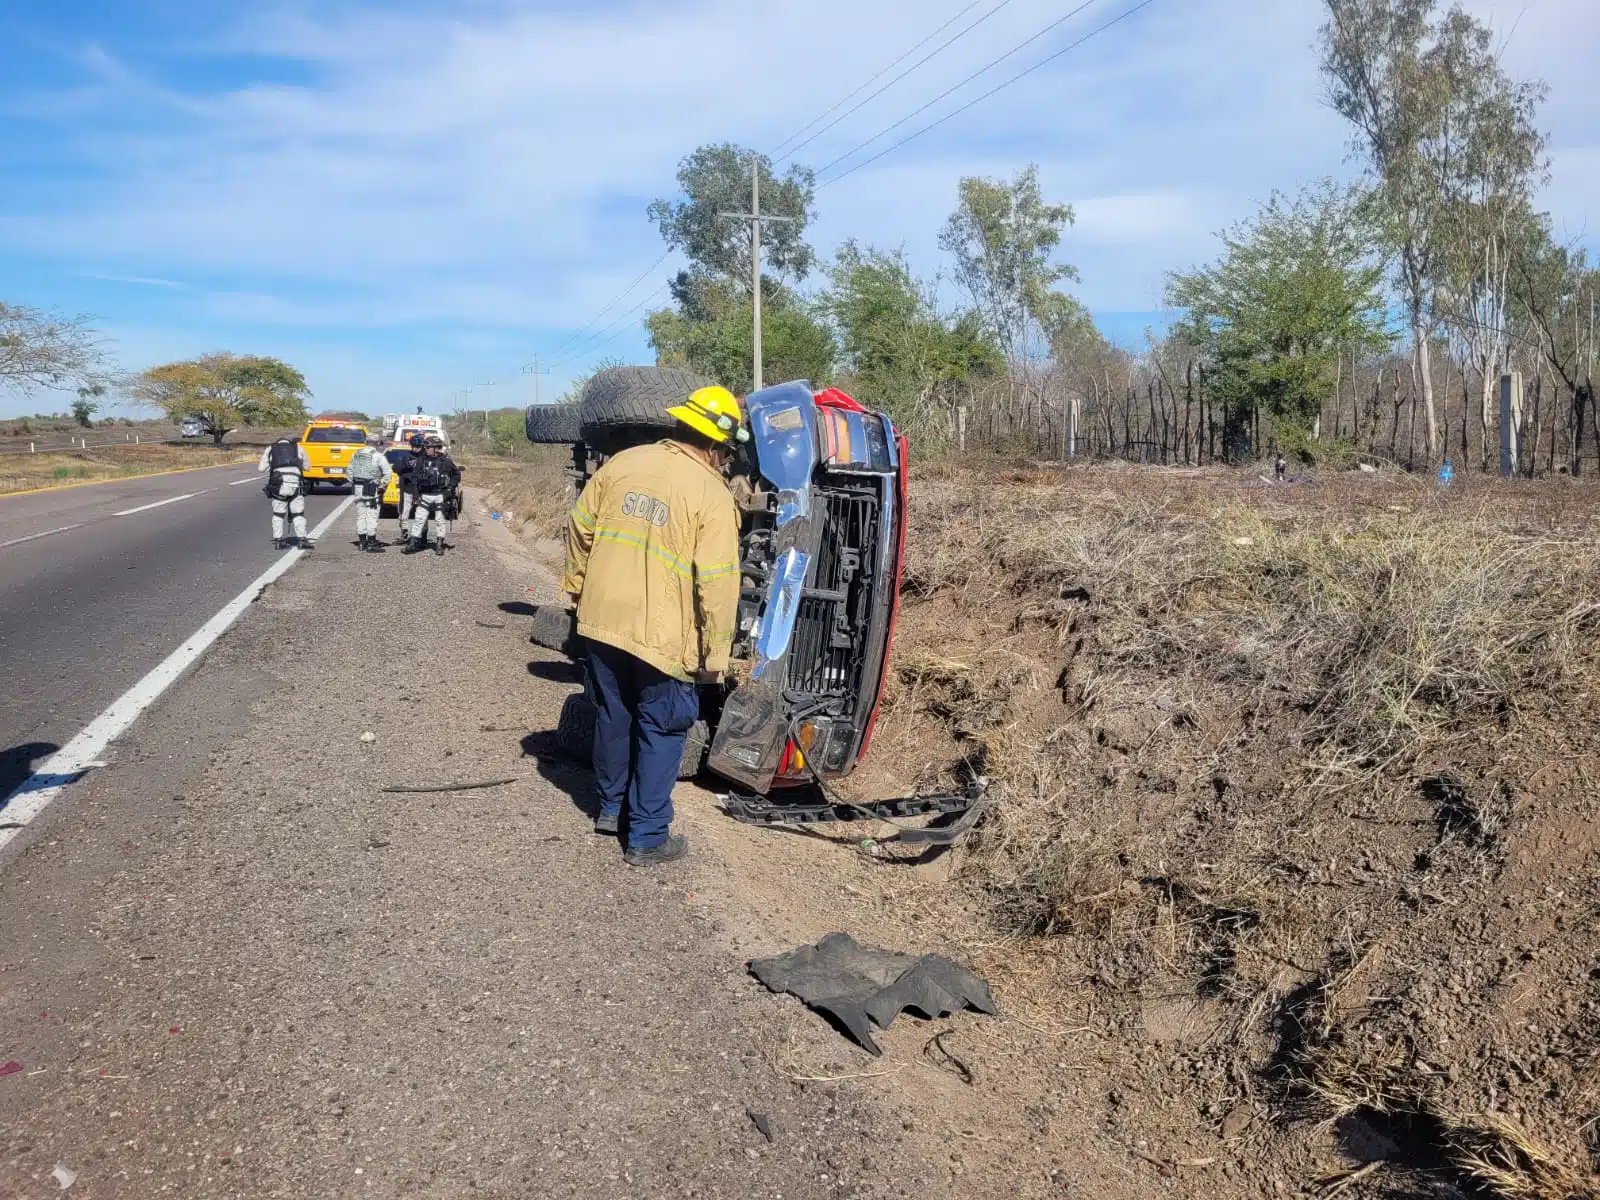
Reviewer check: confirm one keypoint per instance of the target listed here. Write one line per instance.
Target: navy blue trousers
(638, 739)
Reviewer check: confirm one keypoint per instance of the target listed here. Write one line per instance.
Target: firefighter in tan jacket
(653, 567)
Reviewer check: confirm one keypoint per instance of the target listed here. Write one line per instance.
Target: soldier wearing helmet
(653, 568)
(368, 472)
(432, 479)
(285, 463)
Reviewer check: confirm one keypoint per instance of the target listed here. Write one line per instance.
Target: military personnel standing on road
(433, 480)
(653, 567)
(404, 509)
(285, 462)
(369, 473)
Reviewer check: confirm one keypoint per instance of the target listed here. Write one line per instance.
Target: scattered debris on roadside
(857, 987)
(448, 787)
(762, 1122)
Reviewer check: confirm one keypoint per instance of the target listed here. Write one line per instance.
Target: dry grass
(25, 472)
(1393, 626)
(533, 490)
(1189, 696)
(1257, 747)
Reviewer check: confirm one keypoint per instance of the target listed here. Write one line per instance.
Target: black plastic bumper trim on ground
(757, 810)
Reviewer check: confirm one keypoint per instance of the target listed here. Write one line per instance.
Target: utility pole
(755, 217)
(535, 372)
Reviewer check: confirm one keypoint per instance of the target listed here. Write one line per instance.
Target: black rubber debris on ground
(853, 985)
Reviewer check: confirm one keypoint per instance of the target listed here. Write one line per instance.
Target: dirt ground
(1289, 884)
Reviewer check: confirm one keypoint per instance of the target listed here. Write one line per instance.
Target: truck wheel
(556, 628)
(627, 406)
(552, 424)
(695, 748)
(575, 728)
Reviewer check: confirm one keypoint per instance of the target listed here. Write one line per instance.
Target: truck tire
(552, 424)
(555, 627)
(695, 748)
(575, 736)
(575, 728)
(627, 406)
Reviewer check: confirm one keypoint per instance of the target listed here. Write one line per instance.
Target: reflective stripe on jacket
(653, 557)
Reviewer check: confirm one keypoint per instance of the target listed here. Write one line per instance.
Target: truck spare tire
(552, 424)
(627, 406)
(574, 736)
(555, 627)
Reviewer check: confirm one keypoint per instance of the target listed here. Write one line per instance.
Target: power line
(577, 343)
(778, 149)
(943, 46)
(1117, 20)
(612, 303)
(574, 344)
(589, 346)
(642, 304)
(989, 66)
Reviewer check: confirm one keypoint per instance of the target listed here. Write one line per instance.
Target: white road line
(36, 792)
(128, 512)
(34, 536)
(250, 479)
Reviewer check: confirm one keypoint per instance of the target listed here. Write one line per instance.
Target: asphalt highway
(99, 583)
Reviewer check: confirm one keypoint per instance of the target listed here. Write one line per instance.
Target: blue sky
(408, 199)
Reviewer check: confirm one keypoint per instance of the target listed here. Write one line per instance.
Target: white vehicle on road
(421, 423)
(192, 427)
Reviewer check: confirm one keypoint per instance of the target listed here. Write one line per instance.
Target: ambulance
(422, 423)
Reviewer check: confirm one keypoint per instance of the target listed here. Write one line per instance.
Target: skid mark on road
(128, 512)
(36, 792)
(33, 537)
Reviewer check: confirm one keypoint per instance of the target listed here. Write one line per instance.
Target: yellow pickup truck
(328, 446)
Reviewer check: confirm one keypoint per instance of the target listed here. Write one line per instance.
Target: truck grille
(825, 658)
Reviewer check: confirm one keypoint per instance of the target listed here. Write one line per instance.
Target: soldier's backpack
(364, 466)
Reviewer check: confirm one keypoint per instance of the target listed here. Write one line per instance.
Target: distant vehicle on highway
(421, 423)
(192, 427)
(391, 422)
(328, 446)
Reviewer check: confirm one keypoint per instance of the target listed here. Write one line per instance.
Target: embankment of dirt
(1294, 808)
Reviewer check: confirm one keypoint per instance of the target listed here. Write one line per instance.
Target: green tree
(226, 391)
(1554, 294)
(1002, 237)
(715, 180)
(902, 354)
(1431, 111)
(1296, 286)
(711, 332)
(87, 404)
(711, 326)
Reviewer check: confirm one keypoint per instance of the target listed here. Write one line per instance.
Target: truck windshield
(336, 433)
